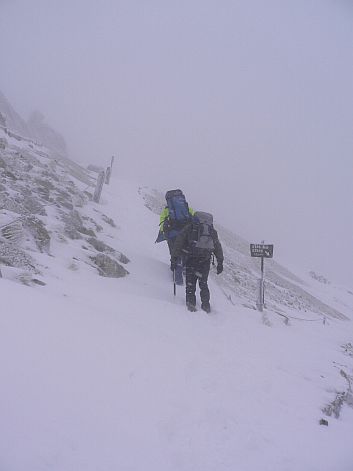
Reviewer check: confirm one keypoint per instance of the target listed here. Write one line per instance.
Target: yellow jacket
(165, 214)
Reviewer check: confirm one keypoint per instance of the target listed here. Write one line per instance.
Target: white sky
(246, 105)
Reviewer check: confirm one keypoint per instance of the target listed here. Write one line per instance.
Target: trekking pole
(174, 282)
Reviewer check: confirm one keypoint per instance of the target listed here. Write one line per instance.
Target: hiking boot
(206, 308)
(191, 307)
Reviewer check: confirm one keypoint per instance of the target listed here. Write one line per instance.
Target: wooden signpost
(263, 251)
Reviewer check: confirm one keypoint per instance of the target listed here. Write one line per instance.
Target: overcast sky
(246, 105)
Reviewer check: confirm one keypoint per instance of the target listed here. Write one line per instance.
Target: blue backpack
(178, 207)
(178, 215)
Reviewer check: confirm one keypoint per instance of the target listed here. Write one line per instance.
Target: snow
(115, 374)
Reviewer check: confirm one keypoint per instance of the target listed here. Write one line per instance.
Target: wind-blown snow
(115, 374)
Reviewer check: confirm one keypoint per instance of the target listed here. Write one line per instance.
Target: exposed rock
(3, 143)
(108, 220)
(28, 280)
(8, 174)
(2, 120)
(104, 248)
(12, 256)
(64, 199)
(122, 258)
(44, 193)
(319, 278)
(100, 246)
(334, 408)
(10, 204)
(38, 282)
(348, 349)
(109, 267)
(25, 191)
(72, 222)
(86, 231)
(97, 227)
(72, 233)
(13, 231)
(45, 183)
(33, 205)
(78, 199)
(39, 233)
(88, 195)
(50, 174)
(64, 203)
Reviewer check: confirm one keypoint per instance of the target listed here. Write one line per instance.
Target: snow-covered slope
(287, 294)
(114, 374)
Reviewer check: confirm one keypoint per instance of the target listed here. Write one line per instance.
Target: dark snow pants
(179, 265)
(170, 246)
(197, 269)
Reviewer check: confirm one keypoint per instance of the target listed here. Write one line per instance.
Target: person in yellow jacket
(173, 219)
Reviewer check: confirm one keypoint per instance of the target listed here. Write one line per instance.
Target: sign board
(261, 250)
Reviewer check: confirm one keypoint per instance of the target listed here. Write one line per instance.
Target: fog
(245, 105)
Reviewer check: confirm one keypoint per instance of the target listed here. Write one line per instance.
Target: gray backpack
(201, 241)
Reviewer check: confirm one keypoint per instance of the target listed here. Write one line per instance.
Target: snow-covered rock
(45, 199)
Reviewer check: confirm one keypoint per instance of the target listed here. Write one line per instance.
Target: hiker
(173, 218)
(197, 242)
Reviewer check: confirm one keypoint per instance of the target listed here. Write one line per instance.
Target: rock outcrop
(45, 202)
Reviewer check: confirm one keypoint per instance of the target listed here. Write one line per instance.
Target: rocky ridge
(45, 203)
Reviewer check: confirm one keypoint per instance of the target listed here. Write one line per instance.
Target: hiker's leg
(170, 246)
(203, 270)
(191, 279)
(179, 272)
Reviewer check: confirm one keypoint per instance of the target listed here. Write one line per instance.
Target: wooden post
(107, 175)
(99, 186)
(261, 300)
(264, 251)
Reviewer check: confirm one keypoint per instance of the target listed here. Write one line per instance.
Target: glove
(173, 264)
(219, 268)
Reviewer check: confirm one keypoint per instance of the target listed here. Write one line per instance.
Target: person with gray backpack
(197, 242)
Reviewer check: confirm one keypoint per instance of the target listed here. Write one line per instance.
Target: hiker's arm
(163, 217)
(218, 251)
